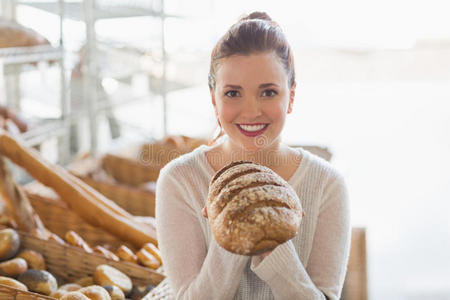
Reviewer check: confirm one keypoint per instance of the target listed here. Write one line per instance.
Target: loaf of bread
(251, 209)
(13, 34)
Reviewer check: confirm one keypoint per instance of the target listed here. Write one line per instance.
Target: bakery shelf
(28, 55)
(104, 10)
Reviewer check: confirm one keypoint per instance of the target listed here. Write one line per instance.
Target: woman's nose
(251, 108)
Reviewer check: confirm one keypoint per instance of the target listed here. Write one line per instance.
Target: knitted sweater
(312, 265)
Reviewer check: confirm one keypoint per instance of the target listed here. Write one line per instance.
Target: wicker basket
(137, 200)
(72, 263)
(9, 293)
(58, 218)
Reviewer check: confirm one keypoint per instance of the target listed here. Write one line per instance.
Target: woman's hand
(262, 256)
(205, 212)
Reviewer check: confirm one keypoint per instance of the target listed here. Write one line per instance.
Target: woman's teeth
(252, 128)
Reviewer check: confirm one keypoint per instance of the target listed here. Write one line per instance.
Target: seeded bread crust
(251, 209)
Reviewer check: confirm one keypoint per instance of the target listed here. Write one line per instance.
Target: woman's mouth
(253, 129)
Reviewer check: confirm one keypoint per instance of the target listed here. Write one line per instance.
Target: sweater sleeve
(194, 270)
(324, 277)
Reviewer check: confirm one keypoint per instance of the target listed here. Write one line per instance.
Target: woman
(252, 85)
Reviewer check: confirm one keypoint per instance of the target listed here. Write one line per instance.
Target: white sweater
(312, 265)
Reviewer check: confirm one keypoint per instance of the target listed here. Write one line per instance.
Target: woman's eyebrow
(232, 86)
(265, 85)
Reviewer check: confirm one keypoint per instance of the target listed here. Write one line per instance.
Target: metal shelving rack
(92, 11)
(95, 10)
(22, 59)
(89, 12)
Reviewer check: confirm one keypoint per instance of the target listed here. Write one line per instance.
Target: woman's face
(251, 100)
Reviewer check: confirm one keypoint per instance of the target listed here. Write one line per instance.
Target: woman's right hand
(205, 212)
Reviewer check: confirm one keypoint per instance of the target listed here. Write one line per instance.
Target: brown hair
(255, 33)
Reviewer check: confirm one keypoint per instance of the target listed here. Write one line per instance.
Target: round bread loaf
(9, 243)
(251, 209)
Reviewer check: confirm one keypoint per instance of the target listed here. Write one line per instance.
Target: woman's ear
(291, 98)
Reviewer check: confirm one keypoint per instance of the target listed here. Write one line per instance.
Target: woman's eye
(269, 93)
(232, 94)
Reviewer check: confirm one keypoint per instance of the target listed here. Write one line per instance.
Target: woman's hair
(255, 33)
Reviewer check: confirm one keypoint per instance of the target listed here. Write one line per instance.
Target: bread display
(251, 209)
(86, 201)
(13, 34)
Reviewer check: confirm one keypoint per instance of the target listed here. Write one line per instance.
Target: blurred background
(373, 86)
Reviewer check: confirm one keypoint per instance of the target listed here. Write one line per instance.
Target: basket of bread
(130, 249)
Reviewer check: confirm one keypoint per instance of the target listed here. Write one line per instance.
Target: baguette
(84, 200)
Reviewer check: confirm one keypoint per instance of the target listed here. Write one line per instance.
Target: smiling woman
(253, 100)
(252, 88)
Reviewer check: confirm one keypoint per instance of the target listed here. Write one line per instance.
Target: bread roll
(106, 253)
(13, 267)
(125, 253)
(114, 292)
(85, 281)
(147, 259)
(74, 296)
(64, 289)
(34, 259)
(9, 243)
(39, 281)
(251, 209)
(13, 283)
(107, 275)
(152, 249)
(75, 240)
(95, 292)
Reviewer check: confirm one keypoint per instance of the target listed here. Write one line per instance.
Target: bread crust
(251, 209)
